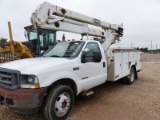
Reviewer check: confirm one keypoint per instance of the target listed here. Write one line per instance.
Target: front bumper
(22, 99)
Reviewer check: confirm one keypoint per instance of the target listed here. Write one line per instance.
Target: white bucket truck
(52, 81)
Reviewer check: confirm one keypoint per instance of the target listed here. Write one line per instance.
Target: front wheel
(59, 103)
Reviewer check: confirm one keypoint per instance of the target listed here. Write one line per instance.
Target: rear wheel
(131, 77)
(59, 103)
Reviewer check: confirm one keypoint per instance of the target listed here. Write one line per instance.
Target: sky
(140, 18)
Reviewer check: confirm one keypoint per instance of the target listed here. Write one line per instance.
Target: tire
(131, 77)
(59, 103)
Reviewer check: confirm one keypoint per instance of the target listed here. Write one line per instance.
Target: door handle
(76, 68)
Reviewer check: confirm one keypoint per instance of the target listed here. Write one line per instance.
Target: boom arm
(53, 17)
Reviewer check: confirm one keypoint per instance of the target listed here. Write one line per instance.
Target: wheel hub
(62, 104)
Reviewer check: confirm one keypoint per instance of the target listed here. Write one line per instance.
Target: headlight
(29, 81)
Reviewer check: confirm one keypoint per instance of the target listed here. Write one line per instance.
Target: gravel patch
(114, 100)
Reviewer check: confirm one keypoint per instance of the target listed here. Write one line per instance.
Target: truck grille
(9, 78)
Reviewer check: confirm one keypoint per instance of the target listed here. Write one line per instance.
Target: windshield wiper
(55, 56)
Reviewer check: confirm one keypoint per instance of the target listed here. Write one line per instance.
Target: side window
(92, 46)
(43, 39)
(51, 38)
(32, 35)
(46, 39)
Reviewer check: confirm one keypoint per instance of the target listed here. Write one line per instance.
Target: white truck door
(125, 68)
(118, 65)
(92, 73)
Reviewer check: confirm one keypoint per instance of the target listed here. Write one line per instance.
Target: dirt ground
(115, 101)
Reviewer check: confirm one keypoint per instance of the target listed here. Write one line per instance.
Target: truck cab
(39, 39)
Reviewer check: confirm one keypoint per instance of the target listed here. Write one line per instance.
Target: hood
(35, 65)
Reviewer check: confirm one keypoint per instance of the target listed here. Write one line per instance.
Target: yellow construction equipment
(13, 50)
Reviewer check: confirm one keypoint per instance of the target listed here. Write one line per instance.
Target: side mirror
(97, 56)
(84, 52)
(25, 34)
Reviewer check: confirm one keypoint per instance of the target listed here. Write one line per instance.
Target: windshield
(65, 49)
